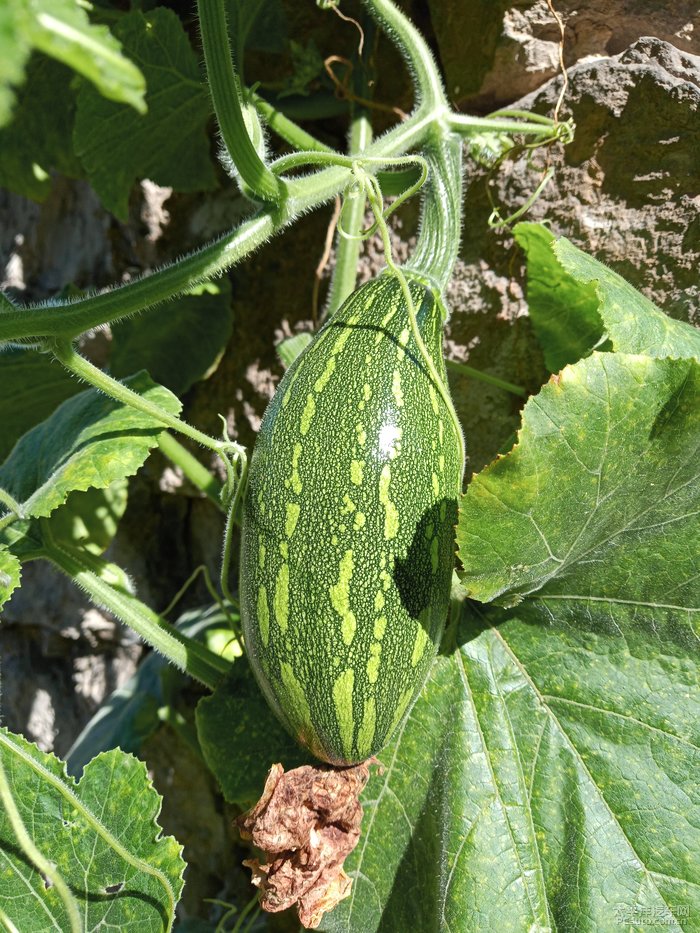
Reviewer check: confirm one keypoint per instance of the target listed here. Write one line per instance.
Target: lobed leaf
(180, 345)
(169, 144)
(90, 441)
(600, 496)
(563, 311)
(10, 572)
(634, 324)
(538, 783)
(102, 835)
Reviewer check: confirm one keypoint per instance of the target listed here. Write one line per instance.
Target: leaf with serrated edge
(89, 441)
(31, 385)
(169, 144)
(9, 575)
(634, 324)
(102, 835)
(544, 780)
(179, 346)
(62, 29)
(600, 495)
(564, 312)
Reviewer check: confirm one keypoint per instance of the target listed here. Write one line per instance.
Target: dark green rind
(301, 657)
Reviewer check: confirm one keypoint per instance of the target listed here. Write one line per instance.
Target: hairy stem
(195, 471)
(107, 586)
(228, 104)
(287, 129)
(348, 247)
(427, 82)
(69, 319)
(64, 351)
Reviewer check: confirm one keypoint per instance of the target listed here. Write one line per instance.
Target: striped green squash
(348, 526)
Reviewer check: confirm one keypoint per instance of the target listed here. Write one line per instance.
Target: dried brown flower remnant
(306, 822)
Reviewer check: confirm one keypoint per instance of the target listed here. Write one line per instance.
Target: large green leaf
(100, 833)
(181, 344)
(14, 51)
(564, 312)
(634, 324)
(62, 30)
(31, 385)
(90, 441)
(169, 144)
(39, 137)
(600, 497)
(240, 737)
(544, 780)
(9, 575)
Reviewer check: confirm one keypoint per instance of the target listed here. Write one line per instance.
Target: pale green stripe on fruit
(365, 734)
(282, 597)
(296, 479)
(263, 615)
(308, 414)
(340, 597)
(391, 515)
(375, 651)
(293, 510)
(323, 379)
(359, 523)
(419, 645)
(356, 468)
(342, 700)
(396, 390)
(404, 700)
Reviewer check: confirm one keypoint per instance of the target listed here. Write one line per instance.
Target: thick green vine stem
(227, 97)
(106, 585)
(76, 364)
(441, 214)
(428, 85)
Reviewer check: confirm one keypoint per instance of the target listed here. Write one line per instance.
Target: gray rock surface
(494, 51)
